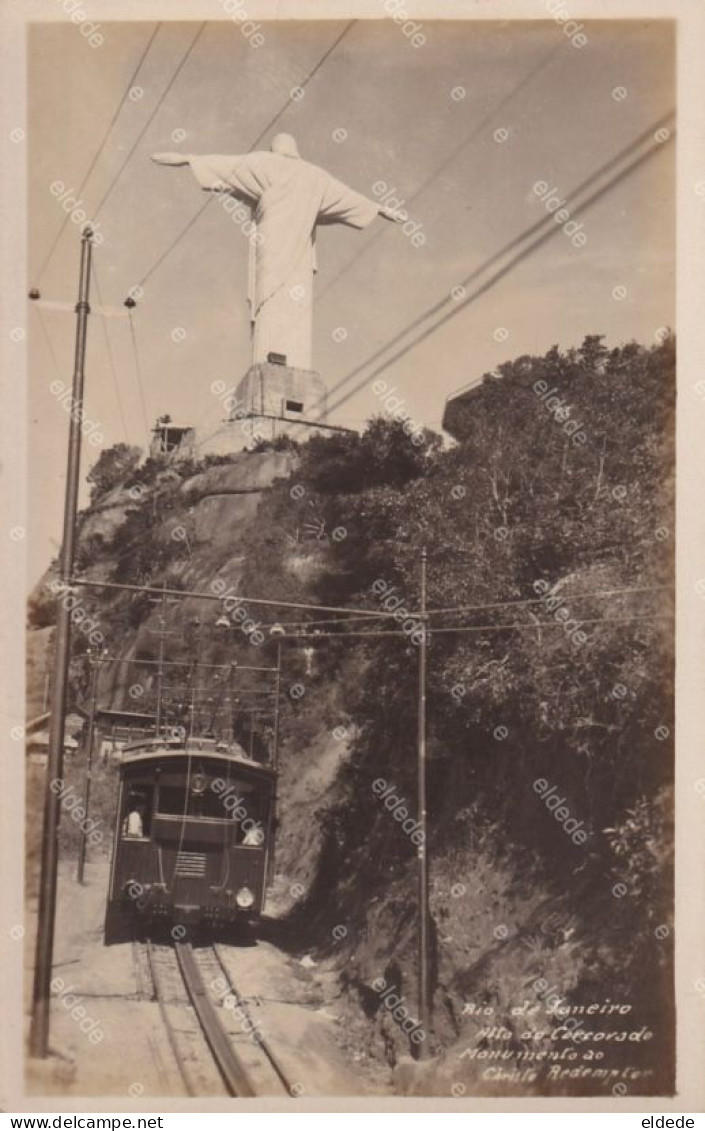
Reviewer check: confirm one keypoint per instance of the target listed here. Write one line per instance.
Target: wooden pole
(39, 1030)
(277, 690)
(423, 889)
(89, 770)
(160, 669)
(271, 827)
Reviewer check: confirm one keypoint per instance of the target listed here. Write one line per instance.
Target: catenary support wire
(99, 151)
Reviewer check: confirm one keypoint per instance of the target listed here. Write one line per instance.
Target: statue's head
(285, 145)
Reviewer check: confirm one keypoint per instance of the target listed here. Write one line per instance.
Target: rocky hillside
(552, 685)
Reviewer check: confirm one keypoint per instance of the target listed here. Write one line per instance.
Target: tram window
(211, 805)
(171, 800)
(137, 814)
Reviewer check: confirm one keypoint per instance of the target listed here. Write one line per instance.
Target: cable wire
(49, 343)
(519, 601)
(546, 222)
(304, 84)
(538, 600)
(111, 359)
(151, 118)
(553, 230)
(461, 629)
(327, 620)
(138, 373)
(445, 163)
(100, 149)
(196, 595)
(186, 594)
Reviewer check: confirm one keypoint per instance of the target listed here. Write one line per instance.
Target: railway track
(216, 1045)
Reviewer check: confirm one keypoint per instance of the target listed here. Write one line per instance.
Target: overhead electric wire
(302, 86)
(111, 359)
(327, 620)
(151, 117)
(138, 373)
(432, 631)
(514, 602)
(550, 623)
(49, 343)
(194, 594)
(546, 221)
(555, 50)
(554, 229)
(99, 150)
(539, 600)
(233, 666)
(363, 613)
(177, 239)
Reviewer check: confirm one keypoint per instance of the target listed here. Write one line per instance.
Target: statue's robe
(289, 198)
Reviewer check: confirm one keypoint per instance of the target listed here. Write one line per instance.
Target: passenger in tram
(254, 837)
(133, 825)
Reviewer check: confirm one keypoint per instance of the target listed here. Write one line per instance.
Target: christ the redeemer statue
(290, 198)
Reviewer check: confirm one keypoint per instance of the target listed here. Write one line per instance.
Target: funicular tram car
(193, 836)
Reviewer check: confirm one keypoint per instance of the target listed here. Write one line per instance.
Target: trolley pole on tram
(423, 888)
(41, 1004)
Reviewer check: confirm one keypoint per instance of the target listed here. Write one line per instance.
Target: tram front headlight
(244, 898)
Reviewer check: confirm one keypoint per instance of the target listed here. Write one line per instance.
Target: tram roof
(154, 749)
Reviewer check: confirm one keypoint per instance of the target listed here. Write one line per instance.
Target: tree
(384, 455)
(111, 469)
(517, 509)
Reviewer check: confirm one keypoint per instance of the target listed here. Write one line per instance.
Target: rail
(192, 990)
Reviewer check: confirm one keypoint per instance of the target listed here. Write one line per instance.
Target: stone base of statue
(271, 401)
(270, 391)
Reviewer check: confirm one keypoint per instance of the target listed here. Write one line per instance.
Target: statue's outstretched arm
(396, 215)
(174, 159)
(217, 172)
(343, 205)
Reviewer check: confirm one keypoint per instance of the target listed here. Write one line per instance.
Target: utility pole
(424, 938)
(252, 730)
(278, 632)
(41, 1003)
(89, 769)
(192, 712)
(277, 689)
(160, 669)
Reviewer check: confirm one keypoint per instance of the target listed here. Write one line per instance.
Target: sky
(462, 127)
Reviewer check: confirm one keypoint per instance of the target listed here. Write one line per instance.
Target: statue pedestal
(270, 401)
(281, 394)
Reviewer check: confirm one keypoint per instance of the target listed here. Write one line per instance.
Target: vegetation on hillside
(574, 689)
(558, 669)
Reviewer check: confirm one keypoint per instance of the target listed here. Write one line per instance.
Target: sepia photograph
(348, 752)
